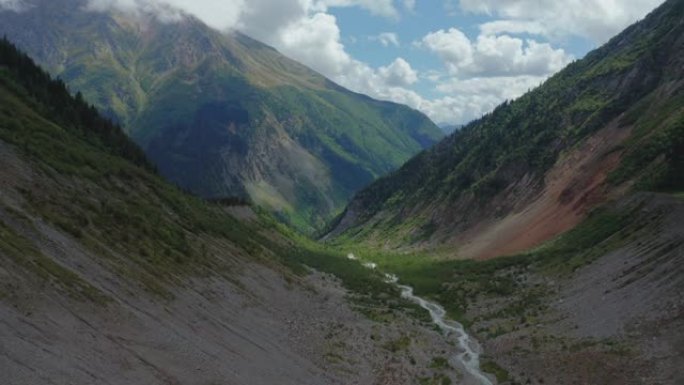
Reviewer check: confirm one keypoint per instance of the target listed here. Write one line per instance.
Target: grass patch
(601, 232)
(398, 345)
(491, 367)
(371, 295)
(451, 283)
(441, 363)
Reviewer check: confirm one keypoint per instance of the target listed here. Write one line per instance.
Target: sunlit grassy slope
(222, 114)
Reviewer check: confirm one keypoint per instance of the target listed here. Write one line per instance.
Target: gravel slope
(250, 322)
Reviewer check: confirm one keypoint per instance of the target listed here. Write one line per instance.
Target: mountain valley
(168, 239)
(111, 275)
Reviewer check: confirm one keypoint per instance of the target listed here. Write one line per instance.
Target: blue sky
(454, 60)
(377, 40)
(362, 32)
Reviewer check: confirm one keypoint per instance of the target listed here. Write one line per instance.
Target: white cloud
(597, 20)
(514, 27)
(453, 46)
(465, 100)
(500, 88)
(377, 7)
(492, 55)
(217, 14)
(399, 73)
(387, 39)
(482, 73)
(314, 40)
(12, 5)
(262, 19)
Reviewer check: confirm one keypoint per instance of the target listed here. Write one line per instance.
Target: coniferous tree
(66, 109)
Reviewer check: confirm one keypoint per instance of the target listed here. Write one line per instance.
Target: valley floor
(601, 305)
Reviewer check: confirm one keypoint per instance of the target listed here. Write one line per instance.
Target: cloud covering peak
(452, 72)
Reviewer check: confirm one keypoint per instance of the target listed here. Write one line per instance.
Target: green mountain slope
(224, 115)
(534, 167)
(109, 274)
(69, 168)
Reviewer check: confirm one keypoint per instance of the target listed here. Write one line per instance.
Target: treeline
(71, 112)
(526, 136)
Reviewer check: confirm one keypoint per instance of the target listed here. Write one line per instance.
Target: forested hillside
(53, 97)
(610, 123)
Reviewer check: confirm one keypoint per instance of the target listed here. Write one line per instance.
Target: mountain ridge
(587, 135)
(222, 114)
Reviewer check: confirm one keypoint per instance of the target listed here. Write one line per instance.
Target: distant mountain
(224, 115)
(533, 168)
(450, 128)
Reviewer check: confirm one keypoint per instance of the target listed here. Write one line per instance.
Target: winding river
(468, 355)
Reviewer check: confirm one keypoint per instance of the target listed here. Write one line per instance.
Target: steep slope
(601, 304)
(224, 115)
(110, 275)
(534, 168)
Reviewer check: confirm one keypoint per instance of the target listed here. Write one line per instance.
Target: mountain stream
(468, 355)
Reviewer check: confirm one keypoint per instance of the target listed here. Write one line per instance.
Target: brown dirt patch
(575, 185)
